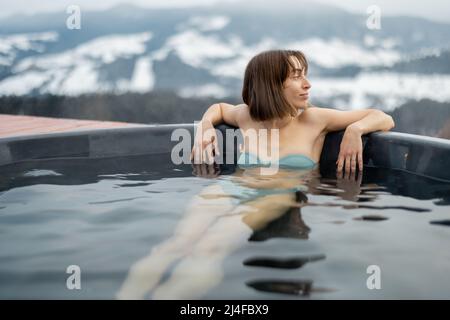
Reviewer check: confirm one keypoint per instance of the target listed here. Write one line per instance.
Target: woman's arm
(376, 120)
(205, 142)
(223, 112)
(364, 121)
(356, 123)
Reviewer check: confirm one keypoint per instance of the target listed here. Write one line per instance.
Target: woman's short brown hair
(263, 84)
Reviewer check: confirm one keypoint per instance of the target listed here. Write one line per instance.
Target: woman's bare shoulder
(234, 115)
(314, 117)
(309, 114)
(314, 113)
(243, 114)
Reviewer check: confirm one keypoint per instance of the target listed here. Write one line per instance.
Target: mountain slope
(203, 51)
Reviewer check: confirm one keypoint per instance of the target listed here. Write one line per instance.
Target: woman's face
(296, 86)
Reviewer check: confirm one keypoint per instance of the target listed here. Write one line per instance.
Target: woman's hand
(350, 153)
(350, 184)
(205, 144)
(208, 171)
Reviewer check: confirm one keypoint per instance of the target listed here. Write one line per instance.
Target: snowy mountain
(204, 51)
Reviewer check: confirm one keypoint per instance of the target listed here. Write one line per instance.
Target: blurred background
(152, 62)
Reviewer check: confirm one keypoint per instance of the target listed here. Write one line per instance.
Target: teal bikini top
(293, 161)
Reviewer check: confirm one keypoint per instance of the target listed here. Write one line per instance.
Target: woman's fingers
(347, 173)
(340, 163)
(197, 154)
(350, 163)
(198, 151)
(216, 147)
(205, 170)
(359, 178)
(213, 170)
(353, 163)
(360, 161)
(209, 156)
(206, 143)
(211, 150)
(205, 150)
(194, 154)
(201, 170)
(347, 163)
(340, 174)
(352, 176)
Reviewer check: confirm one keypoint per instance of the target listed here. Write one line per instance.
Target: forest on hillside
(425, 117)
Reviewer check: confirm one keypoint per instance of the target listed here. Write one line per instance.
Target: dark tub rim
(421, 155)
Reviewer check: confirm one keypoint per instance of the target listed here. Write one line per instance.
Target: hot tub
(106, 214)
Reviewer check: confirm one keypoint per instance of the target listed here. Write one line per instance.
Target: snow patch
(110, 48)
(193, 48)
(208, 90)
(337, 53)
(235, 67)
(391, 88)
(105, 49)
(205, 23)
(74, 71)
(82, 79)
(143, 78)
(12, 44)
(22, 84)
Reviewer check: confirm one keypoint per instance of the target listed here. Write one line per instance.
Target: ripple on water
(290, 287)
(282, 263)
(371, 217)
(445, 223)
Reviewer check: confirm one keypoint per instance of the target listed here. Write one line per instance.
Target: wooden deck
(12, 125)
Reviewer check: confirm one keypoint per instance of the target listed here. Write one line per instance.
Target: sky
(436, 10)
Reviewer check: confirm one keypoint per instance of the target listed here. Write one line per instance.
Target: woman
(276, 96)
(226, 214)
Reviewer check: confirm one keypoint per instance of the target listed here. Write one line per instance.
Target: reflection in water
(282, 263)
(238, 208)
(139, 184)
(116, 200)
(217, 222)
(441, 222)
(351, 188)
(245, 206)
(405, 208)
(371, 217)
(223, 217)
(358, 206)
(289, 225)
(292, 287)
(41, 173)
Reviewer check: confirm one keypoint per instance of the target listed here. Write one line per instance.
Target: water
(137, 228)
